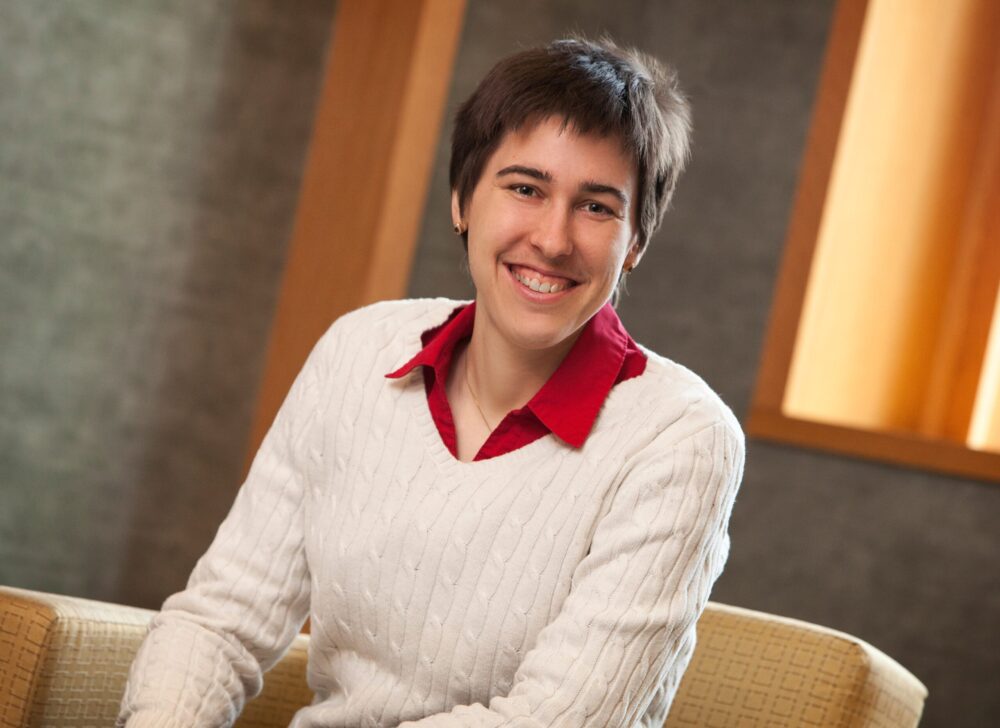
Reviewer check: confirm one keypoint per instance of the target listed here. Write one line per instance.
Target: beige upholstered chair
(63, 662)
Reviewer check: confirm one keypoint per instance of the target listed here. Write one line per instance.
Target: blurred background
(150, 165)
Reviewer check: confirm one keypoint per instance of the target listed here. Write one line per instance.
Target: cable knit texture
(549, 586)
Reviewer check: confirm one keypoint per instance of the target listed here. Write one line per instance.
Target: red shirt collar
(569, 402)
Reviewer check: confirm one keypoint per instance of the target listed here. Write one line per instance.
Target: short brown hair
(597, 88)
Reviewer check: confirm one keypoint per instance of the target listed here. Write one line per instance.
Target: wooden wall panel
(366, 177)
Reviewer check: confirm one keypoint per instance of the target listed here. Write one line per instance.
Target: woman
(498, 513)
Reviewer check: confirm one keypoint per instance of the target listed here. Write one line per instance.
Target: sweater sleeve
(626, 630)
(248, 595)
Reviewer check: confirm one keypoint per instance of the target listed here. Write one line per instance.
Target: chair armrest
(752, 668)
(64, 662)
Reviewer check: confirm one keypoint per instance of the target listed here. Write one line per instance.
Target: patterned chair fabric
(64, 661)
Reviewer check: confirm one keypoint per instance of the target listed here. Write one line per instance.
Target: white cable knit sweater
(550, 586)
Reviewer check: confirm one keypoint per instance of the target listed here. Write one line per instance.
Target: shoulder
(395, 317)
(389, 320)
(669, 404)
(687, 435)
(379, 337)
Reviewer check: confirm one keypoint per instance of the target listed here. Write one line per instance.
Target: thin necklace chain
(475, 399)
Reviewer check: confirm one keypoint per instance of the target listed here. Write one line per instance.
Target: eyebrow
(595, 188)
(526, 171)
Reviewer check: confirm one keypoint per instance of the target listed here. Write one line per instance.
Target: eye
(523, 190)
(596, 208)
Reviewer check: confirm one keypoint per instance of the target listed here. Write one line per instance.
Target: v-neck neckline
(413, 389)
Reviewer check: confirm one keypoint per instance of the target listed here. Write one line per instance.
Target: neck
(506, 377)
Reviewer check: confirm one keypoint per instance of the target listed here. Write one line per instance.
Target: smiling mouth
(540, 282)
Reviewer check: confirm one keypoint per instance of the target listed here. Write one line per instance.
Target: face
(551, 224)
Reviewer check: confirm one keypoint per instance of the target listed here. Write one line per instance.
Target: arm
(248, 595)
(627, 628)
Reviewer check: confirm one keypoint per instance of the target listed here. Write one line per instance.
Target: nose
(553, 236)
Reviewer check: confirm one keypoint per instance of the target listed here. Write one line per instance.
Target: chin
(538, 338)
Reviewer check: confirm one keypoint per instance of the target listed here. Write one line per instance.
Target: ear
(456, 209)
(633, 256)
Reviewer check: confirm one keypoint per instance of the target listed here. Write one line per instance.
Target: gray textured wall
(149, 171)
(904, 559)
(148, 174)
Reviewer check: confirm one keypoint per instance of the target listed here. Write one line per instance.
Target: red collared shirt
(566, 405)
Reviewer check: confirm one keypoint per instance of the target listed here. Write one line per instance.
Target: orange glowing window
(884, 338)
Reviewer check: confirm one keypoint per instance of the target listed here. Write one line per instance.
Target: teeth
(536, 285)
